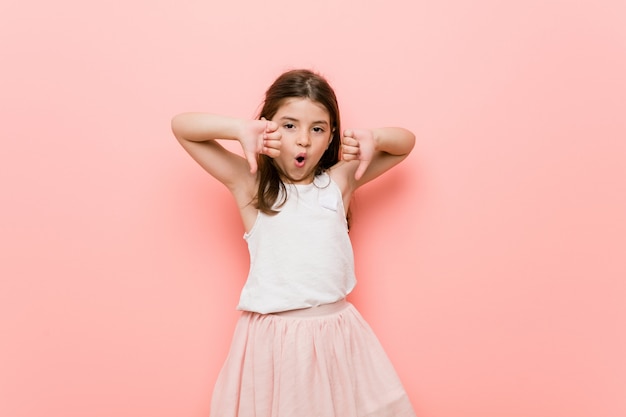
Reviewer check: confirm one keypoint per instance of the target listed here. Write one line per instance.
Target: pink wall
(491, 263)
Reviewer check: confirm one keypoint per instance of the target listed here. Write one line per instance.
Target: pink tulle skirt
(318, 362)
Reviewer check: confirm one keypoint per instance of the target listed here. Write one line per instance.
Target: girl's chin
(298, 177)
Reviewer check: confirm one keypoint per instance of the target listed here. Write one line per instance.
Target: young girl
(299, 349)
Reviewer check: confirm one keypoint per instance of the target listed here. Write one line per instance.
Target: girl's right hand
(259, 137)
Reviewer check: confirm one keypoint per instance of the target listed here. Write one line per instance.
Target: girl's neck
(304, 181)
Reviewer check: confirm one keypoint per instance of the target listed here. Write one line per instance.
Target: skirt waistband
(323, 310)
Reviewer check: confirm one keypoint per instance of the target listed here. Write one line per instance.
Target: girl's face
(306, 134)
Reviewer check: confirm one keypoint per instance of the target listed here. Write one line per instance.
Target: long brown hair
(300, 83)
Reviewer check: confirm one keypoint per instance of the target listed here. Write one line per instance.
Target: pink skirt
(318, 362)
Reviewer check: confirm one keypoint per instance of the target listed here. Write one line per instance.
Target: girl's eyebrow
(317, 122)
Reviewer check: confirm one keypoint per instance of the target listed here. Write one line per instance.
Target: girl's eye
(318, 130)
(289, 126)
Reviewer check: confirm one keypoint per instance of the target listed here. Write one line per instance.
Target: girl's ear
(332, 135)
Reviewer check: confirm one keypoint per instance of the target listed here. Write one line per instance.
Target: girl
(299, 349)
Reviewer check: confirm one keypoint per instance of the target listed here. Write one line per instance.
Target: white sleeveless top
(301, 257)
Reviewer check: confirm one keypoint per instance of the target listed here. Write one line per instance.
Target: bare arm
(197, 133)
(367, 154)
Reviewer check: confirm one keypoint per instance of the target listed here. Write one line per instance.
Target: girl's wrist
(376, 136)
(241, 127)
(393, 140)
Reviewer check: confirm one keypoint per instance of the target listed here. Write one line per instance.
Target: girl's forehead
(302, 108)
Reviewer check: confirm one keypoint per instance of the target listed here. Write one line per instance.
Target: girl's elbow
(178, 125)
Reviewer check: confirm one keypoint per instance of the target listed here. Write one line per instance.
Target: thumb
(360, 170)
(251, 158)
(271, 126)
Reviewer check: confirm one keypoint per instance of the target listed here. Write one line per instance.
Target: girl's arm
(197, 132)
(368, 153)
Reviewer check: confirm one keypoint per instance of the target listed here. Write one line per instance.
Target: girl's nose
(303, 139)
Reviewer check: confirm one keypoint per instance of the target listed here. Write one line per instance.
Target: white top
(301, 257)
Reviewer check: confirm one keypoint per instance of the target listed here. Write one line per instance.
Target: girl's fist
(358, 145)
(259, 137)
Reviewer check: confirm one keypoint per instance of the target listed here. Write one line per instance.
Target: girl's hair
(299, 83)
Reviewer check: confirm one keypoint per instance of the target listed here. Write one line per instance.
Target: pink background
(491, 263)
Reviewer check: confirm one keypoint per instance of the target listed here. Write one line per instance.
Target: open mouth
(300, 159)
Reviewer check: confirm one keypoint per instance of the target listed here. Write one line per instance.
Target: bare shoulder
(342, 173)
(247, 208)
(231, 170)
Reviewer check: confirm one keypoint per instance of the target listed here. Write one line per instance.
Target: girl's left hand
(358, 145)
